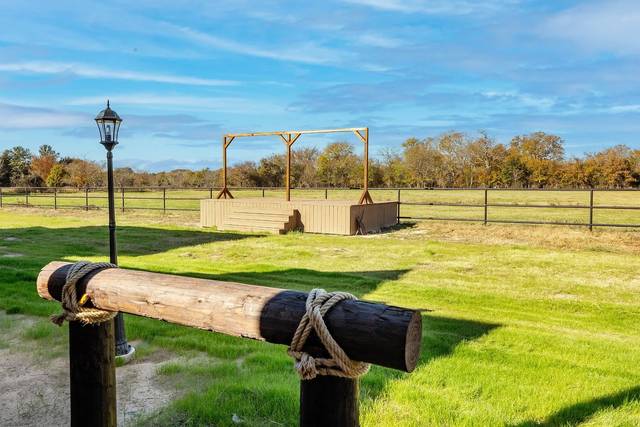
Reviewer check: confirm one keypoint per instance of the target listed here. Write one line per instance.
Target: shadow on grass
(581, 412)
(93, 240)
(278, 383)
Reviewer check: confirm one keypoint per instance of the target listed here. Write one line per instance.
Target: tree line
(451, 159)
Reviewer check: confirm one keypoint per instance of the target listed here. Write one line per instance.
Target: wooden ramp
(276, 220)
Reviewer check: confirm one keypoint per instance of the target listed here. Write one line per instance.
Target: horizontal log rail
(369, 332)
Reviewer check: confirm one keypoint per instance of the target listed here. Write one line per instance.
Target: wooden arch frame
(289, 137)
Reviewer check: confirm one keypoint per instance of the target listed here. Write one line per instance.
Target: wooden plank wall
(325, 217)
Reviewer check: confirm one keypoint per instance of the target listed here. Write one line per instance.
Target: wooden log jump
(368, 332)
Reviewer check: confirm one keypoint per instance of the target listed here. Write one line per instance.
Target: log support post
(92, 374)
(329, 401)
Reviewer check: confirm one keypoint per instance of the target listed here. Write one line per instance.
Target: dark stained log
(93, 374)
(369, 332)
(329, 401)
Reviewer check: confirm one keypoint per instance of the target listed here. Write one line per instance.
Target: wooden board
(316, 216)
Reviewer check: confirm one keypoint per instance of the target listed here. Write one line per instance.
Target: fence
(328, 389)
(578, 207)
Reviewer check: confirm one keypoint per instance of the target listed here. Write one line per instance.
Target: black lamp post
(108, 123)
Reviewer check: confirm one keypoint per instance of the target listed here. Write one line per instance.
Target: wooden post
(92, 374)
(122, 190)
(55, 198)
(164, 200)
(365, 198)
(486, 212)
(26, 196)
(288, 177)
(329, 401)
(263, 192)
(398, 214)
(225, 193)
(591, 210)
(86, 198)
(0, 197)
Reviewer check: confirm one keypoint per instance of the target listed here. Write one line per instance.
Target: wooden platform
(310, 216)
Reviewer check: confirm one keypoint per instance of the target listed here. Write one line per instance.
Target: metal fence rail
(170, 199)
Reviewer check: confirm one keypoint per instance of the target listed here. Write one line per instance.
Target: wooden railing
(367, 332)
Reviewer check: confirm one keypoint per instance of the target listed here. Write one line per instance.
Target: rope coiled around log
(72, 309)
(318, 303)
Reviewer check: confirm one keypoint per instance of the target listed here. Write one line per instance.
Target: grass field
(523, 326)
(189, 200)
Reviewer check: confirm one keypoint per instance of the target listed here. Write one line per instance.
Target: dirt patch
(35, 389)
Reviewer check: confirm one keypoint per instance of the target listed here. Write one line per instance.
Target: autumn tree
(338, 165)
(42, 163)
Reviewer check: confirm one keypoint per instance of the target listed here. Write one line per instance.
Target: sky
(181, 73)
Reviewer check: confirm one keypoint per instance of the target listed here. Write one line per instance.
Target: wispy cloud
(435, 7)
(379, 40)
(24, 117)
(612, 25)
(89, 71)
(172, 102)
(308, 52)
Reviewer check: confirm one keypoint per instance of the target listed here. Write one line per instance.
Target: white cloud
(434, 7)
(88, 71)
(612, 25)
(634, 108)
(378, 40)
(23, 117)
(309, 53)
(177, 102)
(523, 99)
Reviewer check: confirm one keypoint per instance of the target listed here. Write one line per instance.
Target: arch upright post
(225, 193)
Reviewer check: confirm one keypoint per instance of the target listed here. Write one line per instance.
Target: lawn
(523, 326)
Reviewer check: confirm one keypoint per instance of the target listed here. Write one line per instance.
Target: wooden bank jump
(365, 332)
(289, 137)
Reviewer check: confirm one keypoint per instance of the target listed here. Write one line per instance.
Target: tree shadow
(92, 241)
(581, 412)
(440, 335)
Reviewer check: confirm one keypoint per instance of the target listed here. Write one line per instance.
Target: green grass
(190, 200)
(523, 326)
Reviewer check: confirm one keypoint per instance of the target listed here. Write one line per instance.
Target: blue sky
(181, 73)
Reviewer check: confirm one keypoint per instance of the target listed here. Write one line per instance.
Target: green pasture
(175, 199)
(523, 326)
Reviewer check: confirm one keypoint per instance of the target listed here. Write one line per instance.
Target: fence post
(486, 199)
(591, 210)
(86, 198)
(0, 197)
(398, 213)
(93, 374)
(326, 193)
(55, 198)
(164, 200)
(262, 191)
(329, 401)
(210, 193)
(122, 190)
(26, 196)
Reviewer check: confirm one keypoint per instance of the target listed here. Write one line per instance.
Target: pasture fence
(576, 207)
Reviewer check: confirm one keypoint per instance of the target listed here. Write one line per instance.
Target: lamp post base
(125, 355)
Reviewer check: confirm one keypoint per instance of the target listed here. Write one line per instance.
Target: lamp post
(108, 123)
